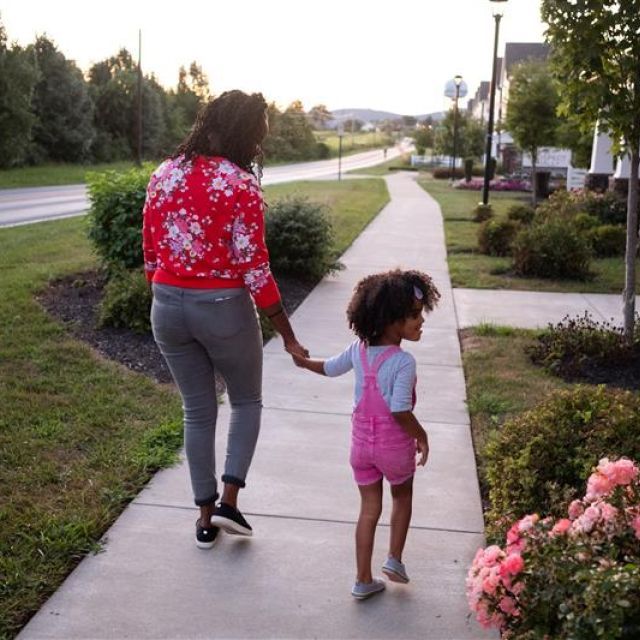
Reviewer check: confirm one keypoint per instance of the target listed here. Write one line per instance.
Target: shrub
(560, 205)
(495, 237)
(522, 213)
(443, 173)
(608, 240)
(322, 150)
(126, 301)
(608, 207)
(300, 238)
(577, 577)
(585, 221)
(482, 212)
(570, 346)
(115, 216)
(539, 460)
(554, 249)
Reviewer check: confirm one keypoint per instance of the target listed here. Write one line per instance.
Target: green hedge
(541, 459)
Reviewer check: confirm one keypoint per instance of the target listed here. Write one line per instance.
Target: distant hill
(371, 115)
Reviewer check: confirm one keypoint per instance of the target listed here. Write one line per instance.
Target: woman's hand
(293, 347)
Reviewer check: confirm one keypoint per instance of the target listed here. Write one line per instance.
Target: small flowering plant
(576, 577)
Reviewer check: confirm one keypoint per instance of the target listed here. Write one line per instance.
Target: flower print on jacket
(169, 177)
(203, 226)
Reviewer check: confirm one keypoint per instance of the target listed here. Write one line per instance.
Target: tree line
(50, 111)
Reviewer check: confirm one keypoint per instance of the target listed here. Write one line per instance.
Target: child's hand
(300, 361)
(422, 448)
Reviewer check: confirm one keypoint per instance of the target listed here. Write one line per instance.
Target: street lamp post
(340, 134)
(497, 16)
(455, 89)
(457, 80)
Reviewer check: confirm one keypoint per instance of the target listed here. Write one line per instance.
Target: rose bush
(576, 577)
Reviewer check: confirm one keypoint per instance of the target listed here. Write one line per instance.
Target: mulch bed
(621, 375)
(74, 300)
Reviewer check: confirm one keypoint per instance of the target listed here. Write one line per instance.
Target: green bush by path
(79, 436)
(469, 268)
(539, 461)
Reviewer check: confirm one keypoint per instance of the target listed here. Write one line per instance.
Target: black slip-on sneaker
(206, 536)
(231, 520)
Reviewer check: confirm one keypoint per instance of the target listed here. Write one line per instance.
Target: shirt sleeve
(148, 248)
(340, 364)
(403, 384)
(249, 247)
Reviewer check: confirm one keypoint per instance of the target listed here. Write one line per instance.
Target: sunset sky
(394, 56)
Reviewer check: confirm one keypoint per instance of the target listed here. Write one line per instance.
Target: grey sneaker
(364, 590)
(395, 571)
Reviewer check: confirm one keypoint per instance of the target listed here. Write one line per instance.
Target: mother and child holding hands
(208, 266)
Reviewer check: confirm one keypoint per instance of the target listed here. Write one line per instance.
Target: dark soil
(74, 300)
(623, 375)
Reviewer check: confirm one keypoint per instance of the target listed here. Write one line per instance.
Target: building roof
(517, 52)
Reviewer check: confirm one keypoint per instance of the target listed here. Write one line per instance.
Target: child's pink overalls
(379, 445)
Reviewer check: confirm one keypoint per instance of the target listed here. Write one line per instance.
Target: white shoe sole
(394, 576)
(231, 526)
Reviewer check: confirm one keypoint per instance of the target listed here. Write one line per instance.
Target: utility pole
(139, 119)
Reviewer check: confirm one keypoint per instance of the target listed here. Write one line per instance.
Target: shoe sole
(230, 526)
(366, 596)
(205, 545)
(395, 576)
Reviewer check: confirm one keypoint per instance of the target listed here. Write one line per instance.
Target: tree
(18, 76)
(319, 116)
(423, 138)
(531, 111)
(63, 129)
(470, 143)
(596, 53)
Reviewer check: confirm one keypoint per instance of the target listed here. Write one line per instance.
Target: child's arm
(317, 366)
(410, 424)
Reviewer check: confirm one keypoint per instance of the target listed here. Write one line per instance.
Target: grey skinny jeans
(199, 332)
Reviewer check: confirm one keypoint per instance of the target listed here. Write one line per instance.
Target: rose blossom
(562, 526)
(635, 523)
(621, 471)
(576, 509)
(598, 485)
(512, 564)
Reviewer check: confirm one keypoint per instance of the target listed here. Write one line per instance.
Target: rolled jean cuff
(233, 480)
(205, 502)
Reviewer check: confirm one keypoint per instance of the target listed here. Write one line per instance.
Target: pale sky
(388, 55)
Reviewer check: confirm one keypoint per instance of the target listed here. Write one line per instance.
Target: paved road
(36, 204)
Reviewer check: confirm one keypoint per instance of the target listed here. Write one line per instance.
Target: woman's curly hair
(384, 298)
(231, 126)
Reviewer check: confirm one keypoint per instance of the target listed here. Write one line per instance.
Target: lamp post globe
(498, 8)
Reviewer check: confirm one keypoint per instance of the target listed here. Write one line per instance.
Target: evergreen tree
(63, 129)
(18, 76)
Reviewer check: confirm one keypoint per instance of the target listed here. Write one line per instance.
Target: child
(386, 308)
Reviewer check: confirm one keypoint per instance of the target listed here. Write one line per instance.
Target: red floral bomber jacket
(203, 227)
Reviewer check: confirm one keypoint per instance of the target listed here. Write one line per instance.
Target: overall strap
(383, 357)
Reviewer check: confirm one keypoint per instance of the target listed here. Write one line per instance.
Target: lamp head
(457, 79)
(498, 6)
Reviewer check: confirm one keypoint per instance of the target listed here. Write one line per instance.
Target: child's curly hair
(384, 298)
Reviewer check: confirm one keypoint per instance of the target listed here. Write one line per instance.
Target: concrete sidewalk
(293, 579)
(533, 309)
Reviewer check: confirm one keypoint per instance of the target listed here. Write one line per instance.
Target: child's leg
(400, 517)
(370, 509)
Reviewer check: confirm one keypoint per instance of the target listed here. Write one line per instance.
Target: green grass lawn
(54, 174)
(359, 141)
(501, 380)
(352, 203)
(79, 435)
(471, 269)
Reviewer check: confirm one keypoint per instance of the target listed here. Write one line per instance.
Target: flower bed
(576, 577)
(502, 184)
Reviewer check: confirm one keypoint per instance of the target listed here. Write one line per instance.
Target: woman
(204, 250)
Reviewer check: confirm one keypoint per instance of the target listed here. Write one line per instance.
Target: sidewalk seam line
(304, 518)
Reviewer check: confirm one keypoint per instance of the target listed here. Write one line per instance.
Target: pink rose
(560, 527)
(508, 605)
(598, 485)
(576, 509)
(621, 471)
(512, 564)
(635, 523)
(608, 511)
(527, 522)
(491, 555)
